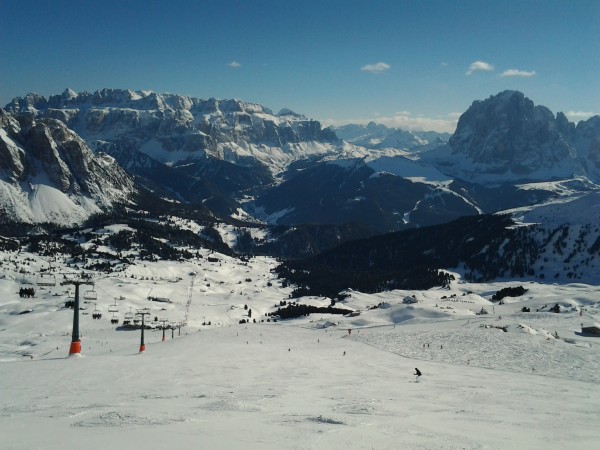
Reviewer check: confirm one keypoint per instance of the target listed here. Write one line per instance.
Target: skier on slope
(417, 374)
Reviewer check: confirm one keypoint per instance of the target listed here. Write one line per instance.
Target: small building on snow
(591, 328)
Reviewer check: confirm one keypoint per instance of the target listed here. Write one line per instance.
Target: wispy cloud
(379, 67)
(234, 65)
(479, 66)
(576, 116)
(406, 121)
(517, 73)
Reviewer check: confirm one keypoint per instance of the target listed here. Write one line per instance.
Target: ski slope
(298, 384)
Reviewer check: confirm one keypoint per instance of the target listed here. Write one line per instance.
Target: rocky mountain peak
(68, 94)
(510, 134)
(49, 174)
(289, 113)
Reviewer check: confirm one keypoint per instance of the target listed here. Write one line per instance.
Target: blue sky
(405, 63)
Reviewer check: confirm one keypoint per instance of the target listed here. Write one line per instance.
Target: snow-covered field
(305, 383)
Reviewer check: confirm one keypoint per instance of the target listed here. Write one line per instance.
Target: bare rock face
(45, 149)
(507, 132)
(587, 139)
(12, 157)
(43, 155)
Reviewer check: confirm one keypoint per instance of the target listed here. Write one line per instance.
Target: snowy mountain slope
(357, 191)
(48, 174)
(210, 152)
(409, 168)
(566, 234)
(307, 382)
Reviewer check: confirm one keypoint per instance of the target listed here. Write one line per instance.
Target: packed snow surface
(322, 381)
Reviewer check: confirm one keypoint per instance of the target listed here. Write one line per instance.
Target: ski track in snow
(492, 348)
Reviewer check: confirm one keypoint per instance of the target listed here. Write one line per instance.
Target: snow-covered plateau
(505, 379)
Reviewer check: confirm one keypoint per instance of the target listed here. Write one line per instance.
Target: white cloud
(379, 67)
(234, 65)
(576, 116)
(517, 73)
(480, 66)
(406, 121)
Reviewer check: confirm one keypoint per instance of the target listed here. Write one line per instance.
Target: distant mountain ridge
(172, 128)
(379, 136)
(241, 160)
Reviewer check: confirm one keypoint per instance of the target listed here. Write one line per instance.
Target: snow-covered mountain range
(231, 155)
(506, 153)
(378, 136)
(174, 129)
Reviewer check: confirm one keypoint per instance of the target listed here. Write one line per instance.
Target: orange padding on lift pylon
(75, 348)
(142, 348)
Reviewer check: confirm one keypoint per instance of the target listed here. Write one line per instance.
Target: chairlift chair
(90, 294)
(44, 279)
(114, 320)
(97, 314)
(129, 315)
(113, 308)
